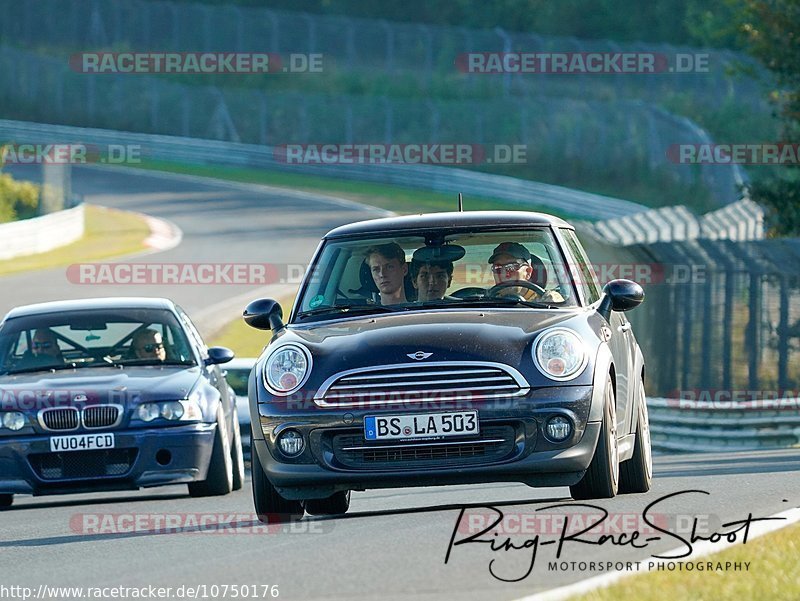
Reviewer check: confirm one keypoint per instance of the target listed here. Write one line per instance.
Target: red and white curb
(164, 234)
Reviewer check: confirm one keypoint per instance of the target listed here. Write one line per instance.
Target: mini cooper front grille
(404, 383)
(100, 416)
(495, 443)
(78, 465)
(62, 418)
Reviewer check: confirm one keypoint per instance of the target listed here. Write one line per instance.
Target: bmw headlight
(560, 354)
(147, 412)
(13, 420)
(286, 369)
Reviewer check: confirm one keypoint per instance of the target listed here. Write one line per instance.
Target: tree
(772, 32)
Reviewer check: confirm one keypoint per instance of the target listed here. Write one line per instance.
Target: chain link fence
(561, 134)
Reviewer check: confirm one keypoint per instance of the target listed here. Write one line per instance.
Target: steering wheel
(469, 292)
(494, 290)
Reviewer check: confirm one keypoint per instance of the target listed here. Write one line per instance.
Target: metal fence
(725, 318)
(417, 50)
(565, 135)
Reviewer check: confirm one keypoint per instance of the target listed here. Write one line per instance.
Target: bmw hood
(96, 385)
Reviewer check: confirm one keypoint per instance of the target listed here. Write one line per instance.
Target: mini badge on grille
(419, 355)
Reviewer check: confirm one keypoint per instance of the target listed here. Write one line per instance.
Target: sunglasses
(149, 348)
(42, 345)
(509, 268)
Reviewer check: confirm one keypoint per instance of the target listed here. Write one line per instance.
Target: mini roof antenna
(460, 203)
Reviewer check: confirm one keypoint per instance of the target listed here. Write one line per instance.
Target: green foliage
(782, 197)
(772, 31)
(692, 22)
(18, 200)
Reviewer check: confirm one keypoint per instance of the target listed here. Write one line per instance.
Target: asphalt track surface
(392, 544)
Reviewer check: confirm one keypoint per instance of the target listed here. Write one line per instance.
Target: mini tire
(601, 480)
(270, 506)
(636, 474)
(337, 504)
(219, 478)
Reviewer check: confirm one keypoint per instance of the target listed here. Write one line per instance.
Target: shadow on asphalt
(680, 466)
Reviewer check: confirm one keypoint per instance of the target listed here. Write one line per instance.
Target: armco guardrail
(434, 178)
(681, 425)
(41, 234)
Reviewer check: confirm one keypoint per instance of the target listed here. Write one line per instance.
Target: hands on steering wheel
(494, 291)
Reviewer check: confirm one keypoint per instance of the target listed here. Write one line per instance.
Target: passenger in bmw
(512, 262)
(387, 264)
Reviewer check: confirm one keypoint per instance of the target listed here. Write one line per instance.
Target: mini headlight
(148, 411)
(560, 354)
(286, 369)
(14, 420)
(171, 410)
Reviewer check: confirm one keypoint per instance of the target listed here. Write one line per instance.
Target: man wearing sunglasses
(512, 262)
(44, 350)
(148, 344)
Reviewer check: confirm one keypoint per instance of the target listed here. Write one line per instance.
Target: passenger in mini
(148, 344)
(512, 262)
(387, 264)
(431, 279)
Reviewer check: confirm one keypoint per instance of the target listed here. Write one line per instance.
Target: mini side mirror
(620, 295)
(264, 314)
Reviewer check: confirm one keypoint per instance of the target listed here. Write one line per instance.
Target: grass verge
(244, 340)
(109, 233)
(394, 198)
(772, 575)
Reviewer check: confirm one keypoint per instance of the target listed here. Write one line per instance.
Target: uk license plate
(81, 442)
(424, 425)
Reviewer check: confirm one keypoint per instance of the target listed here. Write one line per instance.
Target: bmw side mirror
(264, 314)
(620, 295)
(219, 354)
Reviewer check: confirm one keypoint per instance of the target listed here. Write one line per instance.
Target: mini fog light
(291, 443)
(14, 420)
(558, 428)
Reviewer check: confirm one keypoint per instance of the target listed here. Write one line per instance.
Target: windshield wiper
(148, 362)
(349, 309)
(27, 370)
(500, 301)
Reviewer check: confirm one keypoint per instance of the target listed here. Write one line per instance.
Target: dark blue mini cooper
(113, 394)
(448, 348)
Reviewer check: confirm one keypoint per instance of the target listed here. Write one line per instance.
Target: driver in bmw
(512, 262)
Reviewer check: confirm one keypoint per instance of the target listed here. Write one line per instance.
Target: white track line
(701, 549)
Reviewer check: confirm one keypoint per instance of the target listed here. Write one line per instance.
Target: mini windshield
(92, 338)
(515, 269)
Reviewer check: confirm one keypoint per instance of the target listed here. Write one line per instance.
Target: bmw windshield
(92, 338)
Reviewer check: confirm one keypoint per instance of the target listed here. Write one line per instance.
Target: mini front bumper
(529, 456)
(157, 456)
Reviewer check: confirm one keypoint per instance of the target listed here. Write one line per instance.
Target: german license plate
(81, 442)
(424, 425)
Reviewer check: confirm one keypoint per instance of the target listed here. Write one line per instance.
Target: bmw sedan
(448, 348)
(113, 394)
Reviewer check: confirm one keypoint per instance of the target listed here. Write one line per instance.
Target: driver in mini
(512, 262)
